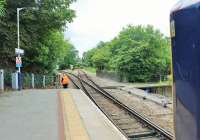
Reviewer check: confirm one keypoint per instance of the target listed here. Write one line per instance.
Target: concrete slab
(98, 126)
(29, 115)
(162, 100)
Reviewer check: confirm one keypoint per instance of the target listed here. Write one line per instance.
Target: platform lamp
(19, 51)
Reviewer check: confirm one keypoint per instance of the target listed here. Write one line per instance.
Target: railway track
(133, 125)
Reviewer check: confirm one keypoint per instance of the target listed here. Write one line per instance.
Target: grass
(90, 69)
(140, 85)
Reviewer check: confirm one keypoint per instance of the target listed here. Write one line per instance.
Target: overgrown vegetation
(41, 35)
(138, 53)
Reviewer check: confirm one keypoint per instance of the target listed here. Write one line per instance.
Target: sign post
(19, 52)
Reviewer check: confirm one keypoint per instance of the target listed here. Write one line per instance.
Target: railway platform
(53, 115)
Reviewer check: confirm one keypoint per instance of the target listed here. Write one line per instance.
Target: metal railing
(29, 80)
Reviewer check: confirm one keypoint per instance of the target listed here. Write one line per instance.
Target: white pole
(18, 27)
(1, 80)
(18, 35)
(33, 80)
(44, 79)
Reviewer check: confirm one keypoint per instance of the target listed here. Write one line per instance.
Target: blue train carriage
(185, 37)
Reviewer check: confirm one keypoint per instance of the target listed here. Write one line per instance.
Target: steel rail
(142, 117)
(160, 131)
(94, 101)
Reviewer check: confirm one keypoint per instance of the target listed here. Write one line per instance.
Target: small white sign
(19, 51)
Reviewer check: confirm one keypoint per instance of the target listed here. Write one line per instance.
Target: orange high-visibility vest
(65, 80)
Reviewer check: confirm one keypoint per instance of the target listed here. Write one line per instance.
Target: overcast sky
(102, 20)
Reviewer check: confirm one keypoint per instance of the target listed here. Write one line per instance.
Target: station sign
(19, 51)
(18, 62)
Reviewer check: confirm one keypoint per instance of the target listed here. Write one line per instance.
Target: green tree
(70, 57)
(50, 52)
(36, 28)
(87, 58)
(138, 53)
(141, 54)
(97, 57)
(2, 3)
(101, 58)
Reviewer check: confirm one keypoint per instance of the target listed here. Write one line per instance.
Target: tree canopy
(138, 53)
(2, 3)
(41, 33)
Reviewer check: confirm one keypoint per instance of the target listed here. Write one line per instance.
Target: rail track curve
(132, 124)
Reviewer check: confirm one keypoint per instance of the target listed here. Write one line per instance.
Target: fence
(7, 79)
(28, 80)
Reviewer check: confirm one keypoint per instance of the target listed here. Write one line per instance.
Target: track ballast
(132, 124)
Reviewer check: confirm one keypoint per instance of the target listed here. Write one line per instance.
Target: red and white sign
(18, 61)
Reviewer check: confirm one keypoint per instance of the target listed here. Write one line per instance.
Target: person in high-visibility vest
(65, 81)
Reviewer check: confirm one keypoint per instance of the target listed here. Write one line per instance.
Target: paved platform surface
(53, 115)
(29, 115)
(98, 126)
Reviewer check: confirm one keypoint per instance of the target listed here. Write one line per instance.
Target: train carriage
(185, 34)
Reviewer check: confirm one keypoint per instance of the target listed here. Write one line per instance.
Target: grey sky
(102, 20)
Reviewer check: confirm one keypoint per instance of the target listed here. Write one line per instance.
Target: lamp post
(18, 44)
(18, 36)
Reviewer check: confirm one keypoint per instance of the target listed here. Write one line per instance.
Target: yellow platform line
(74, 127)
